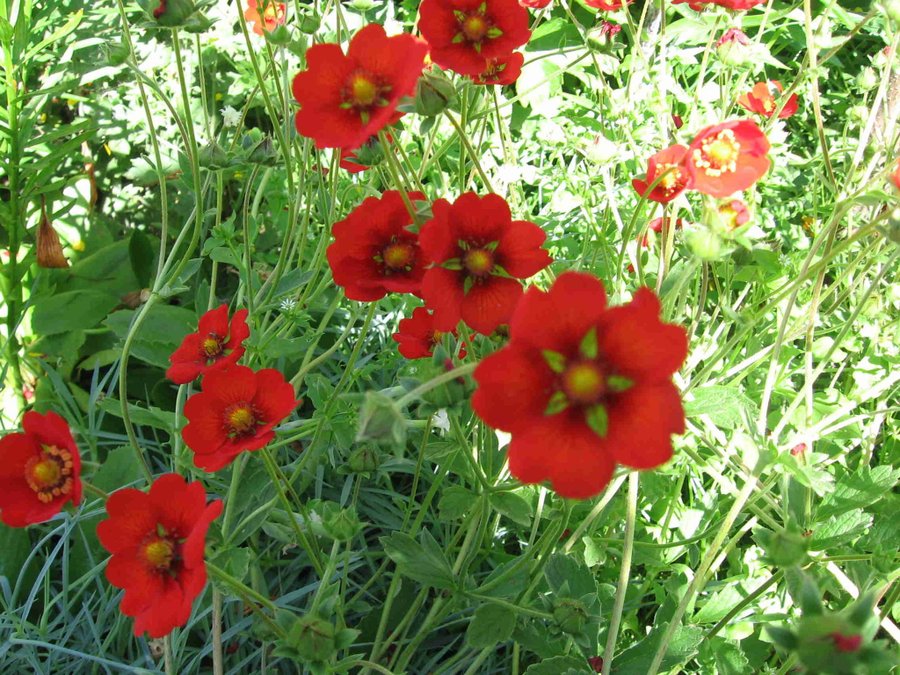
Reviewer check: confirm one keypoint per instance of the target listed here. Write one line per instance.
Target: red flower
(737, 5)
(729, 157)
(212, 347)
(479, 254)
(504, 70)
(696, 5)
(596, 663)
(346, 99)
(761, 101)
(463, 34)
(40, 470)
(607, 5)
(156, 540)
(534, 4)
(235, 410)
(896, 175)
(271, 17)
(582, 387)
(417, 336)
(374, 253)
(669, 165)
(733, 213)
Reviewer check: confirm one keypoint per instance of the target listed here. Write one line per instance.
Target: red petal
(274, 396)
(234, 385)
(514, 387)
(641, 423)
(214, 321)
(443, 293)
(559, 319)
(564, 451)
(490, 303)
(637, 344)
(131, 518)
(520, 251)
(437, 238)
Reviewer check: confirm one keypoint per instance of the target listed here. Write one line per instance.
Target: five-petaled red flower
(607, 5)
(582, 387)
(345, 99)
(374, 253)
(464, 34)
(40, 470)
(761, 101)
(156, 540)
(236, 410)
(504, 70)
(726, 158)
(667, 166)
(479, 254)
(271, 16)
(417, 337)
(215, 345)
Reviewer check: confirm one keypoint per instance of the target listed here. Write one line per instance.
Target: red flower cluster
(721, 160)
(417, 337)
(374, 252)
(761, 100)
(479, 254)
(269, 19)
(40, 470)
(156, 540)
(215, 345)
(345, 99)
(475, 37)
(235, 410)
(582, 387)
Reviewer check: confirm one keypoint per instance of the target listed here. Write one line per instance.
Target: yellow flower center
(363, 91)
(240, 419)
(718, 154)
(212, 346)
(479, 262)
(49, 473)
(398, 256)
(671, 175)
(159, 553)
(474, 27)
(583, 383)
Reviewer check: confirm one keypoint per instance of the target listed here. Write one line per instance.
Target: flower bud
(570, 615)
(116, 53)
(364, 460)
(706, 244)
(784, 548)
(381, 420)
(867, 79)
(176, 14)
(312, 639)
(734, 48)
(603, 37)
(49, 249)
(434, 93)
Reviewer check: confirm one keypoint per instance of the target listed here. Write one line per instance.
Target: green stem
(624, 573)
(459, 371)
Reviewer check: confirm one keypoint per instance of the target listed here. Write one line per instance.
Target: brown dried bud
(49, 249)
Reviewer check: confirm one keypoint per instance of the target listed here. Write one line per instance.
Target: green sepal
(597, 419)
(453, 264)
(491, 246)
(460, 15)
(557, 403)
(459, 37)
(618, 383)
(467, 285)
(494, 32)
(588, 346)
(555, 360)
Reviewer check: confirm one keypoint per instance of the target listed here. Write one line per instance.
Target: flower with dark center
(215, 345)
(582, 387)
(40, 470)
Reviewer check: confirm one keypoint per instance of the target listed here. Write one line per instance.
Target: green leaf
(74, 310)
(559, 665)
(569, 578)
(142, 255)
(425, 562)
(840, 529)
(456, 502)
(858, 490)
(235, 561)
(682, 647)
(152, 417)
(490, 625)
(513, 506)
(119, 469)
(725, 406)
(16, 545)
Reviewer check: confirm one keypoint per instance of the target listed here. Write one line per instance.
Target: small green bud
(735, 49)
(867, 79)
(364, 460)
(570, 615)
(705, 244)
(309, 23)
(212, 156)
(116, 53)
(312, 639)
(434, 93)
(381, 420)
(171, 13)
(784, 548)
(279, 36)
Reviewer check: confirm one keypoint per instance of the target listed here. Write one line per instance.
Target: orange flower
(727, 158)
(761, 101)
(269, 19)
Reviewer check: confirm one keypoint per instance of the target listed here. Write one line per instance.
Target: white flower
(441, 420)
(230, 116)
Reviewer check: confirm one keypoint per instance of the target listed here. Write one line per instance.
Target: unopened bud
(434, 93)
(49, 249)
(734, 48)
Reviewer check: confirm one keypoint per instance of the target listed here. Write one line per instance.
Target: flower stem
(624, 573)
(459, 371)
